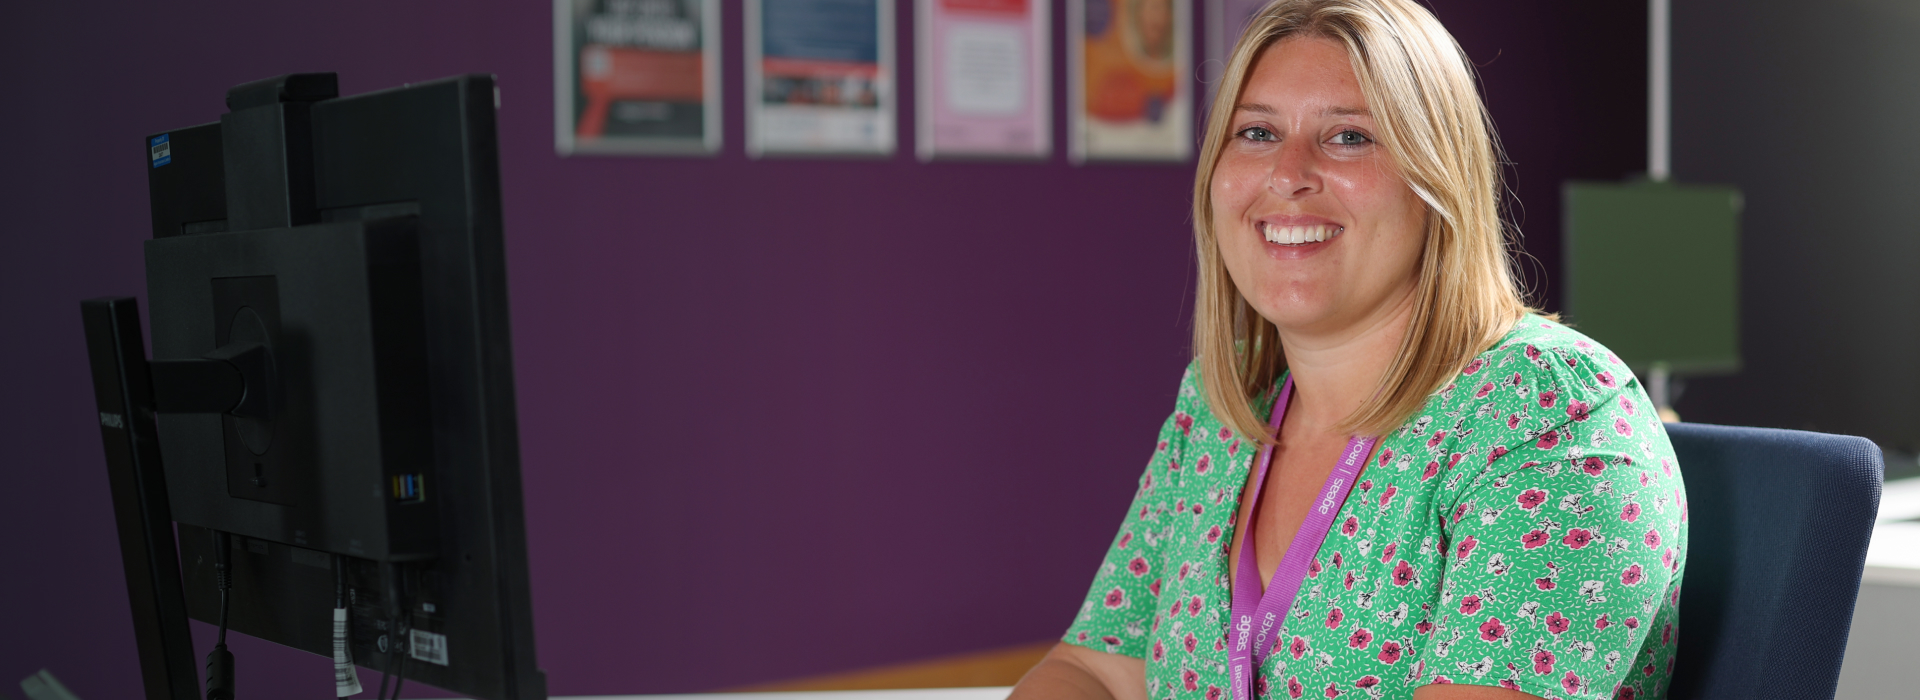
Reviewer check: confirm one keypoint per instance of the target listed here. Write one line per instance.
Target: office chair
(1778, 523)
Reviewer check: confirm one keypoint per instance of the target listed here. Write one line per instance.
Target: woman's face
(1318, 230)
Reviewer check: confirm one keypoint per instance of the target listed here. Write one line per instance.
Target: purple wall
(900, 405)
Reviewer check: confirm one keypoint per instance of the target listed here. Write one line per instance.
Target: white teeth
(1296, 235)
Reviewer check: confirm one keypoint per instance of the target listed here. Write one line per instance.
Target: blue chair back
(1777, 526)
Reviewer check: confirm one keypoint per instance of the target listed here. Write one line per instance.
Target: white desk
(1886, 620)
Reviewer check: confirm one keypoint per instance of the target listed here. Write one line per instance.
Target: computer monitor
(329, 412)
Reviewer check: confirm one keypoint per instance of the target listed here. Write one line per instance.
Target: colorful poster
(820, 77)
(1226, 19)
(983, 76)
(1132, 73)
(636, 76)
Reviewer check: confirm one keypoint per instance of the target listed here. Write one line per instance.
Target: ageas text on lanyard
(1256, 616)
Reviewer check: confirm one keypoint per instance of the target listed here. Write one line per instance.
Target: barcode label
(346, 680)
(429, 647)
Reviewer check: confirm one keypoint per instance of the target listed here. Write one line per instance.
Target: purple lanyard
(1251, 643)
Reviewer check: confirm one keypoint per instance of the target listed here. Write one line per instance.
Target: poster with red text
(637, 76)
(983, 73)
(820, 77)
(1132, 80)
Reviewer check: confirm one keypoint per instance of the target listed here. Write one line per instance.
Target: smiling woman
(1438, 494)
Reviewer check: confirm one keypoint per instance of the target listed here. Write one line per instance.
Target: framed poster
(1226, 19)
(984, 75)
(636, 76)
(820, 77)
(1132, 80)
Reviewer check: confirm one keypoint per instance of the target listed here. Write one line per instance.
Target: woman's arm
(1449, 691)
(1071, 672)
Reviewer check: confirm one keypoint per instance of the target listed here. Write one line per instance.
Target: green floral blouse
(1526, 529)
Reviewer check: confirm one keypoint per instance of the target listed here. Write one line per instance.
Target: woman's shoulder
(1545, 362)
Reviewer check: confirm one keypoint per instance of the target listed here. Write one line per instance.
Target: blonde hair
(1430, 120)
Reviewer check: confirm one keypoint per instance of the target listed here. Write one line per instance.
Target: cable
(220, 661)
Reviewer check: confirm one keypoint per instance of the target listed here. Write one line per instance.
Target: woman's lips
(1299, 235)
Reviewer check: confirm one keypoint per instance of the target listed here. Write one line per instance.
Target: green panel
(1653, 272)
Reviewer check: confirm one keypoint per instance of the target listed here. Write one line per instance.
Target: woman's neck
(1336, 370)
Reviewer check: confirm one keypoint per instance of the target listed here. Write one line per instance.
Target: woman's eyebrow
(1259, 108)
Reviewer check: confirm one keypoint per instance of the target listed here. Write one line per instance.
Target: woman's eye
(1350, 138)
(1257, 133)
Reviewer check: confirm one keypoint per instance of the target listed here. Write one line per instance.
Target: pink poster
(983, 75)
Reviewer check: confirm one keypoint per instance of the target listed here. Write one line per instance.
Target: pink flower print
(1360, 639)
(1534, 539)
(1194, 605)
(1497, 452)
(1632, 576)
(1577, 537)
(1474, 367)
(1179, 505)
(1652, 539)
(1138, 567)
(1338, 561)
(1543, 662)
(1386, 455)
(1154, 588)
(1111, 640)
(1533, 353)
(1606, 379)
(1647, 670)
(1544, 583)
(1546, 398)
(1403, 574)
(1643, 479)
(1213, 533)
(1464, 551)
(1198, 509)
(1348, 583)
(1184, 421)
(1116, 599)
(1184, 568)
(1460, 511)
(1298, 647)
(1201, 466)
(1438, 435)
(1571, 683)
(1367, 681)
(1432, 469)
(1389, 652)
(1313, 568)
(1334, 616)
(1190, 642)
(1626, 405)
(1332, 691)
(1558, 623)
(1159, 651)
(1175, 610)
(1485, 389)
(1162, 447)
(1492, 630)
(1364, 485)
(1593, 466)
(1621, 426)
(1453, 460)
(1220, 643)
(1513, 421)
(1666, 634)
(1441, 680)
(1423, 626)
(1508, 683)
(1125, 539)
(1632, 623)
(1630, 512)
(1082, 637)
(1213, 692)
(1666, 467)
(1387, 496)
(1670, 561)
(1173, 466)
(1294, 690)
(1625, 692)
(1351, 526)
(1531, 499)
(1386, 555)
(1548, 441)
(1470, 605)
(1579, 410)
(1189, 679)
(1225, 434)
(1602, 622)
(1233, 449)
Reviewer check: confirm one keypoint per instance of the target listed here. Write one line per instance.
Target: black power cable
(220, 661)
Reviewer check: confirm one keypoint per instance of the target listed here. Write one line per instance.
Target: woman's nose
(1295, 171)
